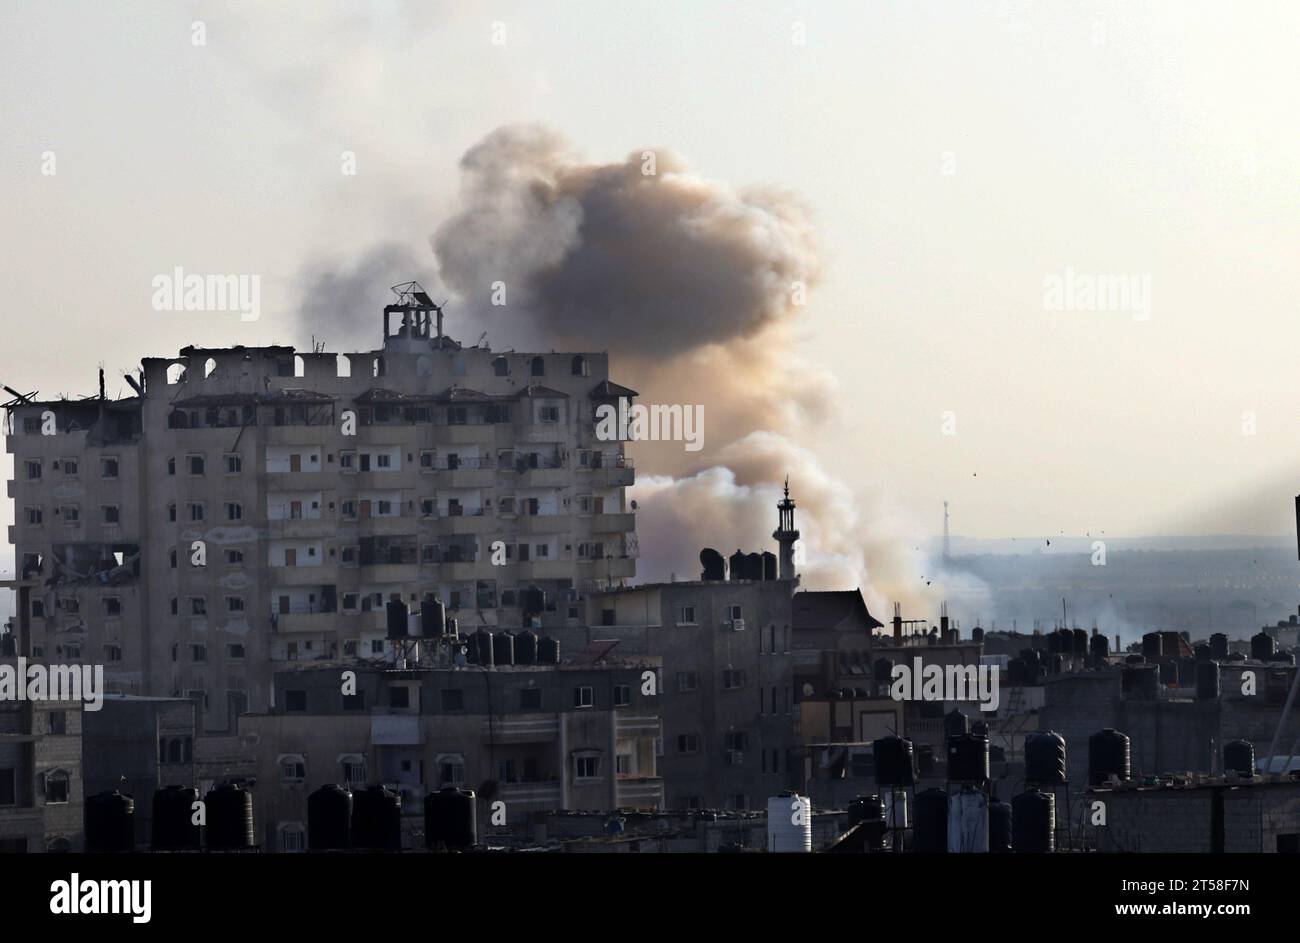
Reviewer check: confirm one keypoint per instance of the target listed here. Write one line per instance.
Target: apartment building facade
(250, 508)
(533, 737)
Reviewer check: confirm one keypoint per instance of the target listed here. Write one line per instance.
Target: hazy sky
(953, 157)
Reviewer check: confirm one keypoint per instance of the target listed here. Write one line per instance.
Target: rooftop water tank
(1219, 646)
(173, 819)
(1262, 646)
(894, 761)
(1000, 827)
(1108, 757)
(714, 567)
(397, 617)
(377, 819)
(1239, 757)
(1045, 758)
(930, 831)
(329, 818)
(548, 651)
(1033, 822)
(789, 823)
(525, 647)
(968, 759)
(110, 822)
(1207, 680)
(450, 819)
(229, 818)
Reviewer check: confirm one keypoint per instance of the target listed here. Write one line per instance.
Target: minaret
(785, 536)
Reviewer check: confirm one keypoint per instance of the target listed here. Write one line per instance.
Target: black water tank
(1135, 659)
(894, 761)
(525, 648)
(1080, 642)
(968, 759)
(1000, 841)
(534, 602)
(714, 567)
(110, 822)
(1045, 758)
(930, 822)
(1017, 672)
(433, 617)
(1168, 672)
(1262, 646)
(736, 565)
(503, 649)
(173, 818)
(979, 728)
(955, 723)
(1187, 672)
(329, 818)
(977, 634)
(1151, 646)
(1031, 656)
(1219, 646)
(397, 625)
(1099, 646)
(230, 818)
(377, 819)
(1054, 643)
(925, 761)
(1202, 653)
(1141, 682)
(548, 650)
(1109, 755)
(754, 566)
(484, 652)
(1207, 680)
(883, 670)
(769, 565)
(1033, 822)
(1239, 757)
(450, 819)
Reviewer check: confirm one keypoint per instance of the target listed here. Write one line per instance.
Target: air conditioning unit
(737, 625)
(735, 758)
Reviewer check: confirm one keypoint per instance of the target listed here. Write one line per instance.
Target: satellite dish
(807, 690)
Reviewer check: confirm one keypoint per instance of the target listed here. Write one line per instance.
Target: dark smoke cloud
(610, 257)
(342, 303)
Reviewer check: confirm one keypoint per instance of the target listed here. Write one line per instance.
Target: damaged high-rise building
(252, 507)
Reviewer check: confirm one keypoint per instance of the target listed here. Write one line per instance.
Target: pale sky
(953, 155)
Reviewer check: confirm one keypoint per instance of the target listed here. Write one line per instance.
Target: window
(56, 787)
(234, 558)
(234, 464)
(171, 466)
(530, 699)
(733, 612)
(686, 615)
(583, 697)
(688, 743)
(736, 741)
(234, 604)
(196, 512)
(427, 506)
(35, 516)
(353, 766)
(72, 652)
(453, 699)
(586, 766)
(622, 695)
(295, 700)
(542, 551)
(426, 458)
(171, 512)
(733, 678)
(8, 787)
(198, 653)
(501, 367)
(58, 722)
(293, 839)
(113, 654)
(33, 470)
(32, 425)
(623, 764)
(548, 414)
(108, 468)
(234, 511)
(71, 605)
(399, 697)
(293, 769)
(354, 702)
(196, 464)
(172, 559)
(112, 514)
(235, 651)
(198, 605)
(112, 606)
(538, 367)
(687, 681)
(70, 513)
(579, 366)
(38, 609)
(451, 769)
(70, 467)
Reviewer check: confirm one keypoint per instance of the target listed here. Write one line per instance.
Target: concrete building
(250, 508)
(729, 708)
(1256, 817)
(579, 735)
(137, 745)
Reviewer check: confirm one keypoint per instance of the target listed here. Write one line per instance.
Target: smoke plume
(696, 290)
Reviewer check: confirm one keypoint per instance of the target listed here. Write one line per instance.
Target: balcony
(384, 573)
(482, 434)
(544, 523)
(613, 523)
(614, 477)
(301, 575)
(471, 521)
(300, 528)
(287, 623)
(544, 569)
(640, 792)
(539, 728)
(537, 795)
